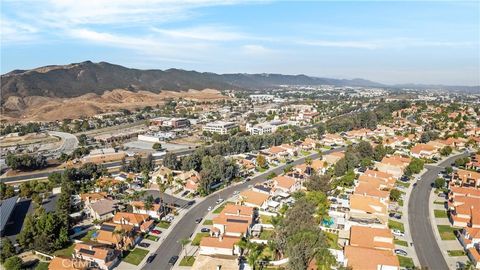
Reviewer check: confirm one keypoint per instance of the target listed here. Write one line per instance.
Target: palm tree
(468, 265)
(184, 242)
(122, 233)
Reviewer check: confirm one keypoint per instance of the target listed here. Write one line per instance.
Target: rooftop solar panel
(237, 220)
(87, 251)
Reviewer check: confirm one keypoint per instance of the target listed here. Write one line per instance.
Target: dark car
(289, 161)
(173, 260)
(248, 179)
(151, 258)
(198, 220)
(185, 193)
(205, 230)
(414, 184)
(144, 245)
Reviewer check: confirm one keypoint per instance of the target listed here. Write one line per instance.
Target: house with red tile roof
(393, 165)
(130, 218)
(98, 257)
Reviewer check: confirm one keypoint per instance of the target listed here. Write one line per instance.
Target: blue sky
(384, 41)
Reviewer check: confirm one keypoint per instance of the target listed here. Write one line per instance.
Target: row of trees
(21, 129)
(365, 119)
(26, 162)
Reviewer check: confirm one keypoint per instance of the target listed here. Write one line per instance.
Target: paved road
(426, 246)
(70, 142)
(186, 225)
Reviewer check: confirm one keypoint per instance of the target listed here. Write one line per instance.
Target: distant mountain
(77, 79)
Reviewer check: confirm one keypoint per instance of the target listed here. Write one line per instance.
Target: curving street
(426, 246)
(186, 225)
(70, 142)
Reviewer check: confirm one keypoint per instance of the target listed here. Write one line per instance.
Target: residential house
(61, 263)
(233, 221)
(119, 236)
(89, 198)
(394, 165)
(156, 210)
(364, 258)
(332, 158)
(367, 211)
(378, 238)
(98, 257)
(254, 199)
(466, 178)
(133, 219)
(102, 209)
(332, 139)
(219, 246)
(286, 184)
(422, 150)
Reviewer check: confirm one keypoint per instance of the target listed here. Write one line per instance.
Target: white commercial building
(220, 127)
(265, 128)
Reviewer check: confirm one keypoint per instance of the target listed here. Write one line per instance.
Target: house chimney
(219, 267)
(238, 212)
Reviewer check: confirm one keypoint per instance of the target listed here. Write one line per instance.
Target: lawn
(440, 213)
(198, 238)
(305, 153)
(152, 237)
(135, 256)
(403, 184)
(221, 207)
(406, 262)
(207, 222)
(187, 261)
(395, 225)
(456, 253)
(163, 224)
(401, 243)
(400, 202)
(66, 252)
(446, 232)
(264, 219)
(439, 202)
(266, 234)
(260, 169)
(88, 236)
(332, 239)
(42, 266)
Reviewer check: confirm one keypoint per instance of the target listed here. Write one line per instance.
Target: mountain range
(73, 80)
(47, 93)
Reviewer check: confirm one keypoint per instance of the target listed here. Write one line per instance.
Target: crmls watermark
(76, 263)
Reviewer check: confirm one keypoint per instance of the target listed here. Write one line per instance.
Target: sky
(432, 42)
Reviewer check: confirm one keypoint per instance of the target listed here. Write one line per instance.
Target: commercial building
(220, 127)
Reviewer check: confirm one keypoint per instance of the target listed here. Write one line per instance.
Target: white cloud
(206, 32)
(386, 43)
(256, 49)
(16, 32)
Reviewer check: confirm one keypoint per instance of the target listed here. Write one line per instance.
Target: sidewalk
(444, 245)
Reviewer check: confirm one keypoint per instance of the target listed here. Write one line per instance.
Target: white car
(397, 233)
(210, 208)
(236, 192)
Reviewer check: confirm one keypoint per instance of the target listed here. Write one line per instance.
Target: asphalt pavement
(186, 225)
(426, 246)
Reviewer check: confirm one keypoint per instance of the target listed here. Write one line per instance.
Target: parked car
(220, 200)
(248, 179)
(401, 252)
(151, 258)
(210, 208)
(156, 231)
(144, 245)
(397, 233)
(173, 260)
(414, 184)
(442, 195)
(236, 192)
(205, 230)
(185, 193)
(198, 220)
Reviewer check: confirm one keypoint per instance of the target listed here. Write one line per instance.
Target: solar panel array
(87, 251)
(108, 228)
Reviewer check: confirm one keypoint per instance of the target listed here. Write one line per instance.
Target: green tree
(395, 195)
(261, 161)
(157, 146)
(439, 182)
(8, 250)
(13, 263)
(446, 151)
